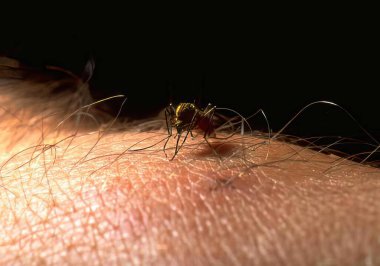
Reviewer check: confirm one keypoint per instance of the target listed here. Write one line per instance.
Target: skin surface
(79, 195)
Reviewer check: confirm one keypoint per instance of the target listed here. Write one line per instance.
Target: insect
(187, 117)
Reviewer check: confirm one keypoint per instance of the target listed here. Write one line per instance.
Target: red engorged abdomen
(206, 125)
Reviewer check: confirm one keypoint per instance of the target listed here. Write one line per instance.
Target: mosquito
(187, 117)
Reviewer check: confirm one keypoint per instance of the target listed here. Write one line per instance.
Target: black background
(278, 62)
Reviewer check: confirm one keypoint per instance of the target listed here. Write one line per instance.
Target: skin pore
(86, 193)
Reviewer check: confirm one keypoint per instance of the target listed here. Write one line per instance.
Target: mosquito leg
(210, 125)
(166, 142)
(210, 113)
(177, 147)
(184, 139)
(168, 115)
(208, 108)
(213, 150)
(189, 128)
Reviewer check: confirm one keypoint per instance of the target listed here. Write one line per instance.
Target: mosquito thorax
(185, 112)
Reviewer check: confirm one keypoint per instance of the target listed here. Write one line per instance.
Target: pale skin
(81, 197)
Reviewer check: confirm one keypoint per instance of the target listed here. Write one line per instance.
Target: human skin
(83, 195)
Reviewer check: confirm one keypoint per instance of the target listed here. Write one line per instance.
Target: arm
(78, 195)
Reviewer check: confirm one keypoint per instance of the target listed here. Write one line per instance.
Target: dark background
(239, 61)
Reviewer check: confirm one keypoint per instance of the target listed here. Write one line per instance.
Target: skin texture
(79, 194)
